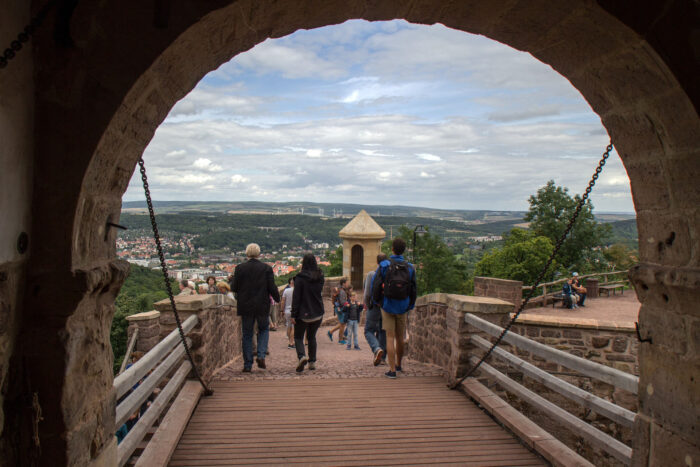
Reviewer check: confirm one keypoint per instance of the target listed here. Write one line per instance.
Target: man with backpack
(394, 288)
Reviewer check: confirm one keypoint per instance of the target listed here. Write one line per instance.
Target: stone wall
(99, 107)
(16, 161)
(510, 291)
(216, 340)
(438, 333)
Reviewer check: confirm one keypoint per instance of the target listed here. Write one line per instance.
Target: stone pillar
(439, 334)
(216, 340)
(592, 287)
(504, 289)
(148, 324)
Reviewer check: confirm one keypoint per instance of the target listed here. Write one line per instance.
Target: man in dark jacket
(253, 284)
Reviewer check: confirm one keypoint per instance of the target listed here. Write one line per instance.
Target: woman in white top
(286, 305)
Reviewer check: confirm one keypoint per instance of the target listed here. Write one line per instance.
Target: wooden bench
(611, 287)
(557, 297)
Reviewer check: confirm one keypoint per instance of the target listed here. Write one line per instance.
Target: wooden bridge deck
(362, 421)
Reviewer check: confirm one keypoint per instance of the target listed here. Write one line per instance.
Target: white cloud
(238, 179)
(438, 117)
(429, 157)
(205, 164)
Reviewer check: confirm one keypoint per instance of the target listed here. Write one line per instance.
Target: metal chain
(164, 268)
(539, 279)
(24, 36)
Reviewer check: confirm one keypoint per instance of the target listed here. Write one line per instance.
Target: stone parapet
(216, 340)
(439, 334)
(510, 291)
(148, 324)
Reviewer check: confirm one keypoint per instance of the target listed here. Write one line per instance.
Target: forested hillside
(272, 232)
(141, 289)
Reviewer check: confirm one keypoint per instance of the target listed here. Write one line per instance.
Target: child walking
(353, 310)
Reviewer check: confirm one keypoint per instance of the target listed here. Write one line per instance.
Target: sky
(387, 113)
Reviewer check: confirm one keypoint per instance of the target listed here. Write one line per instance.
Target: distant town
(184, 261)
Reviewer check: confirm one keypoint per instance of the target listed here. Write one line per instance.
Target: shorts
(342, 317)
(395, 324)
(288, 318)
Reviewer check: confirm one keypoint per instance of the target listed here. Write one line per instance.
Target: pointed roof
(362, 226)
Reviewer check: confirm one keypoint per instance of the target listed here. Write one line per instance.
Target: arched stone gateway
(103, 76)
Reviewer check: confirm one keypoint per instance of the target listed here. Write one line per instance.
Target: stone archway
(101, 94)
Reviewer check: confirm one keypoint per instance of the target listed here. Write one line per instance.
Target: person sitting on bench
(570, 297)
(578, 288)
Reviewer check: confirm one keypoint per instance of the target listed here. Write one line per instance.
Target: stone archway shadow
(118, 84)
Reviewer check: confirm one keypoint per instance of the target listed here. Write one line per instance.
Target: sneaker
(378, 356)
(291, 346)
(312, 365)
(390, 374)
(398, 368)
(261, 363)
(246, 370)
(348, 347)
(342, 342)
(302, 363)
(357, 347)
(330, 336)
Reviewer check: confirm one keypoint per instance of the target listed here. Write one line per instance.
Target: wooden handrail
(595, 370)
(138, 370)
(585, 276)
(599, 405)
(619, 450)
(139, 395)
(129, 349)
(134, 437)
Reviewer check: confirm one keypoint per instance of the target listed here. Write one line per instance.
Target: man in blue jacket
(394, 288)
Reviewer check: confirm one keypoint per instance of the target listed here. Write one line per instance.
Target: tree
(437, 269)
(336, 260)
(620, 257)
(521, 258)
(550, 211)
(142, 288)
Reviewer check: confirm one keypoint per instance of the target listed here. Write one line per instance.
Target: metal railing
(137, 383)
(601, 406)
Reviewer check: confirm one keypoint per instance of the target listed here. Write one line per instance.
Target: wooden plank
(528, 431)
(138, 370)
(161, 447)
(408, 421)
(138, 431)
(129, 349)
(595, 370)
(596, 437)
(139, 395)
(613, 412)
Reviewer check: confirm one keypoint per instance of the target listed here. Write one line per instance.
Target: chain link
(24, 36)
(539, 279)
(166, 278)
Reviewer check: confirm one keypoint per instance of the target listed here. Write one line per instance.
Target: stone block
(600, 342)
(669, 390)
(620, 358)
(572, 333)
(619, 345)
(669, 448)
(551, 333)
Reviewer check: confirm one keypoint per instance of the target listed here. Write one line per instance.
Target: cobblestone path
(333, 361)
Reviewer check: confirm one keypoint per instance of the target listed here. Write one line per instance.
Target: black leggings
(301, 327)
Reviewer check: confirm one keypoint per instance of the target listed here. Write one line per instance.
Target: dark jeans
(248, 324)
(582, 298)
(301, 327)
(375, 335)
